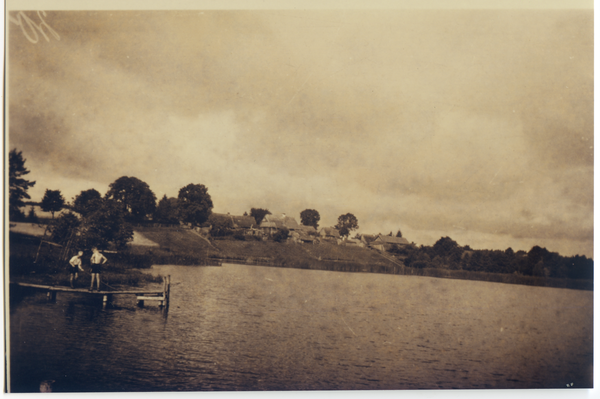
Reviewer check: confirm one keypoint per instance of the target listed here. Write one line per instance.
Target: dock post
(168, 296)
(164, 293)
(51, 296)
(106, 298)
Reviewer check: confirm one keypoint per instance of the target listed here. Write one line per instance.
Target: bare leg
(98, 281)
(71, 280)
(92, 283)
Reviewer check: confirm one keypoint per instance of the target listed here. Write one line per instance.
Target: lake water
(258, 328)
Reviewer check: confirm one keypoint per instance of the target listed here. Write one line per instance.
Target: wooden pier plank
(141, 295)
(85, 290)
(150, 298)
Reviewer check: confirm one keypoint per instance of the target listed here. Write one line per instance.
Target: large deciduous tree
(259, 214)
(346, 223)
(65, 228)
(167, 211)
(134, 195)
(100, 228)
(18, 186)
(195, 204)
(310, 217)
(52, 202)
(446, 246)
(87, 201)
(108, 224)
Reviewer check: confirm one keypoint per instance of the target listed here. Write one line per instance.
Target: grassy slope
(332, 257)
(329, 251)
(183, 241)
(174, 240)
(32, 229)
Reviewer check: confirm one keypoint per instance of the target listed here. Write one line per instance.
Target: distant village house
(385, 243)
(329, 232)
(272, 223)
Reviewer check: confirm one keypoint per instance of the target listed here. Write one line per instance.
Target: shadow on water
(87, 327)
(256, 328)
(17, 294)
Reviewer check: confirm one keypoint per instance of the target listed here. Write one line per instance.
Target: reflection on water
(258, 328)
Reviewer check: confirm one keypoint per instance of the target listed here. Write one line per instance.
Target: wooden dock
(141, 295)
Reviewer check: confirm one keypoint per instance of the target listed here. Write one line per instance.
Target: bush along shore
(48, 267)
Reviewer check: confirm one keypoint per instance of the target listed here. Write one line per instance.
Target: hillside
(188, 244)
(178, 246)
(174, 239)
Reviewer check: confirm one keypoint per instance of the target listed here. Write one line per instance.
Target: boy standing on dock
(97, 261)
(75, 264)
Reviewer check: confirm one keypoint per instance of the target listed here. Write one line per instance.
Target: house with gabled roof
(244, 222)
(353, 242)
(307, 229)
(329, 232)
(238, 222)
(384, 243)
(269, 227)
(271, 223)
(367, 238)
(301, 237)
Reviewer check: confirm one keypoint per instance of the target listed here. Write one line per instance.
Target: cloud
(473, 122)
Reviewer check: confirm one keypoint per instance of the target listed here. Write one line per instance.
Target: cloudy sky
(473, 124)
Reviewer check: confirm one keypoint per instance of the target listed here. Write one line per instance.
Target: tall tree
(580, 267)
(65, 228)
(399, 234)
(100, 228)
(259, 214)
(18, 186)
(134, 195)
(445, 246)
(87, 201)
(195, 204)
(167, 211)
(108, 224)
(31, 216)
(310, 217)
(346, 223)
(52, 202)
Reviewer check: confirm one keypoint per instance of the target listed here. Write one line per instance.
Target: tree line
(101, 220)
(104, 220)
(448, 254)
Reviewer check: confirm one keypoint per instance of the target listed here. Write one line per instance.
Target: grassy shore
(179, 246)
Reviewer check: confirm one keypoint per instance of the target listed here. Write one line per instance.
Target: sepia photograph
(299, 196)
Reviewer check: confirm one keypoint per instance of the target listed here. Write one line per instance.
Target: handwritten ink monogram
(30, 29)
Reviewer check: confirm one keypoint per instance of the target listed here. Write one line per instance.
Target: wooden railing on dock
(141, 295)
